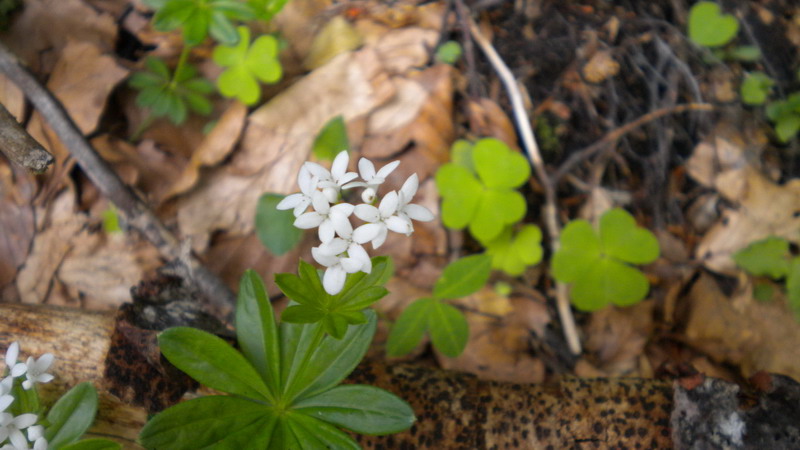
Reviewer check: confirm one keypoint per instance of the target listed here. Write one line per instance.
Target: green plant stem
(181, 63)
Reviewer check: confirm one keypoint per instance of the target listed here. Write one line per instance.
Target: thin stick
(20, 147)
(616, 134)
(220, 298)
(529, 142)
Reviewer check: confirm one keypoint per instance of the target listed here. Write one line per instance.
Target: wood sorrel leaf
(463, 277)
(767, 257)
(312, 362)
(621, 238)
(513, 253)
(71, 415)
(214, 421)
(257, 331)
(410, 327)
(609, 281)
(580, 248)
(709, 27)
(331, 140)
(449, 329)
(359, 408)
(212, 362)
(275, 228)
(461, 194)
(498, 166)
(245, 64)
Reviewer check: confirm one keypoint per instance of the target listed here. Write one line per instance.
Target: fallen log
(453, 410)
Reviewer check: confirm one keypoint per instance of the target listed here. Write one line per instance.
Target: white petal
(18, 439)
(18, 370)
(357, 252)
(301, 207)
(354, 184)
(341, 224)
(351, 265)
(409, 188)
(5, 400)
(27, 385)
(418, 212)
(333, 280)
(387, 169)
(381, 237)
(44, 378)
(290, 201)
(308, 220)
(6, 385)
(326, 231)
(323, 258)
(366, 169)
(318, 171)
(11, 354)
(349, 176)
(44, 361)
(331, 193)
(320, 203)
(306, 181)
(333, 248)
(40, 444)
(344, 209)
(400, 225)
(368, 213)
(339, 166)
(35, 432)
(366, 233)
(25, 420)
(388, 205)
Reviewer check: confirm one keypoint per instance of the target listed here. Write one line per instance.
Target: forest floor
(626, 110)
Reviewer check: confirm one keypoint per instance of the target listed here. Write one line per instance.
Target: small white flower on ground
(16, 369)
(37, 370)
(383, 216)
(36, 436)
(324, 216)
(338, 266)
(11, 428)
(300, 201)
(351, 242)
(372, 180)
(332, 182)
(407, 210)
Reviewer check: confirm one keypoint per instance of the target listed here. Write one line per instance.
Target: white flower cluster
(342, 250)
(11, 426)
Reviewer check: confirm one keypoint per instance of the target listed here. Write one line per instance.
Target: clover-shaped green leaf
(284, 384)
(513, 253)
(199, 18)
(709, 27)
(336, 312)
(247, 64)
(755, 88)
(598, 264)
(171, 95)
(488, 202)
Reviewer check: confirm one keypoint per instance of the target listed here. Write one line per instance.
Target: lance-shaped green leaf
(92, 444)
(359, 408)
(71, 415)
(449, 329)
(275, 228)
(171, 96)
(212, 362)
(246, 64)
(463, 277)
(199, 18)
(311, 433)
(257, 331)
(214, 421)
(410, 327)
(331, 140)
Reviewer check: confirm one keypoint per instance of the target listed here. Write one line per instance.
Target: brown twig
(616, 134)
(19, 146)
(138, 215)
(529, 142)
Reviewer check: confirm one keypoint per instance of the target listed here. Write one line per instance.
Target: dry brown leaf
(278, 140)
(12, 98)
(45, 27)
(406, 48)
(486, 118)
(16, 224)
(499, 346)
(336, 37)
(617, 337)
(741, 331)
(600, 67)
(215, 147)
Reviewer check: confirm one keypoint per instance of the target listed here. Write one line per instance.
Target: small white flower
(36, 436)
(406, 210)
(16, 369)
(324, 216)
(331, 182)
(351, 242)
(338, 266)
(37, 370)
(11, 428)
(383, 216)
(300, 201)
(372, 180)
